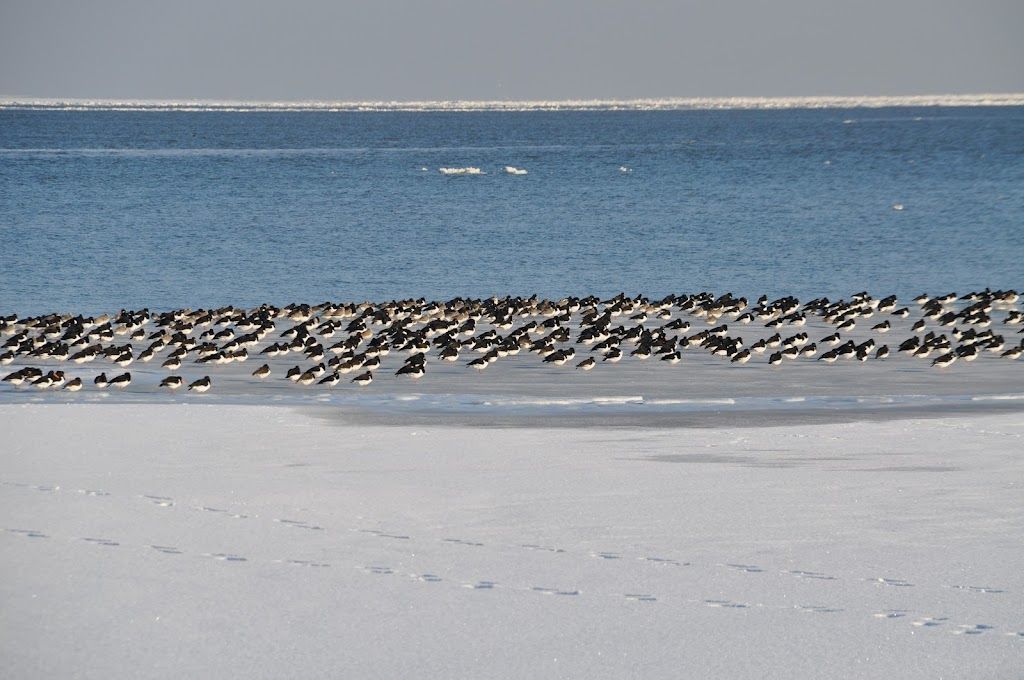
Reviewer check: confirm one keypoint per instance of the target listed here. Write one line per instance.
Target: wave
(653, 104)
(512, 170)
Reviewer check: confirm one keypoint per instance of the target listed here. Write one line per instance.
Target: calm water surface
(104, 209)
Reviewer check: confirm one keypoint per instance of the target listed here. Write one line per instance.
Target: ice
(650, 104)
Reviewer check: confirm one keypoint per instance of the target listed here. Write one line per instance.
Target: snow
(217, 540)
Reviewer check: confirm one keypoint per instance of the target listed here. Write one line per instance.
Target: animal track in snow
(895, 582)
(640, 597)
(93, 492)
(379, 570)
(162, 501)
(303, 563)
(226, 557)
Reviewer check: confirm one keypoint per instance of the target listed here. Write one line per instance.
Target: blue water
(104, 209)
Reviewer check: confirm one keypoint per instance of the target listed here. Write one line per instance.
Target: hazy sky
(478, 49)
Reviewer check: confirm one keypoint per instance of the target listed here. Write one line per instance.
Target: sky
(335, 50)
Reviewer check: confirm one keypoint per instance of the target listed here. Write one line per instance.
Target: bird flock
(335, 342)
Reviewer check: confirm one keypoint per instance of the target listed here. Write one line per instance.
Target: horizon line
(11, 102)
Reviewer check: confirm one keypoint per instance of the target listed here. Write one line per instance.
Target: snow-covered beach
(215, 540)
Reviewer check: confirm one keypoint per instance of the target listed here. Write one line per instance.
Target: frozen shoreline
(174, 540)
(649, 104)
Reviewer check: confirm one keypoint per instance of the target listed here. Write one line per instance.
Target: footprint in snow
(162, 501)
(102, 541)
(93, 492)
(813, 609)
(28, 533)
(748, 568)
(382, 534)
(890, 614)
(728, 604)
(298, 524)
(378, 569)
(894, 582)
(665, 561)
(544, 548)
(607, 555)
(640, 597)
(929, 622)
(460, 541)
(554, 591)
(166, 549)
(428, 578)
(225, 557)
(481, 585)
(978, 589)
(811, 574)
(971, 629)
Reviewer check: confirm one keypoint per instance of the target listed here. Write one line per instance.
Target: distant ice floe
(897, 207)
(470, 170)
(512, 170)
(663, 104)
(625, 169)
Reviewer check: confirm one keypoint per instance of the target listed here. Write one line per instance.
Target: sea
(105, 207)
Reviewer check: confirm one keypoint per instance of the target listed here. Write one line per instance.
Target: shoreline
(616, 416)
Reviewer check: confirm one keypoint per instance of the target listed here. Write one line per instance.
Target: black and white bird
(331, 380)
(172, 382)
(413, 370)
(201, 385)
